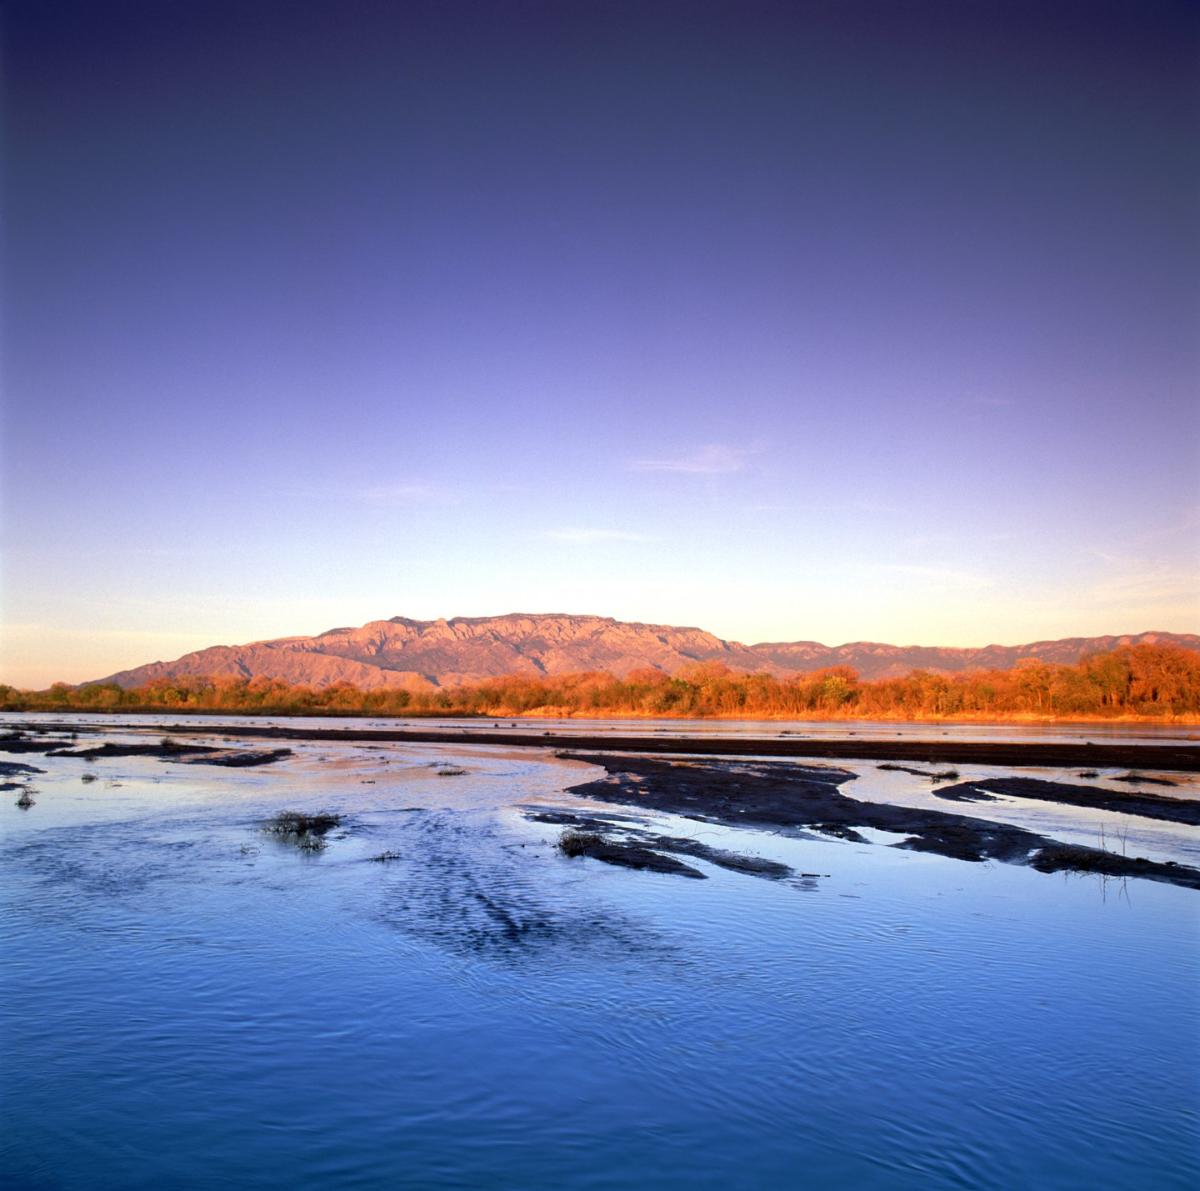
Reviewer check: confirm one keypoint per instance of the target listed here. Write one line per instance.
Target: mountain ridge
(401, 653)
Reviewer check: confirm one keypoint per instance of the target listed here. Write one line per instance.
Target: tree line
(1151, 681)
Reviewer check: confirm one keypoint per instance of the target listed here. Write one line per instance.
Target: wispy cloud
(1112, 559)
(579, 535)
(1187, 523)
(708, 460)
(1148, 589)
(939, 577)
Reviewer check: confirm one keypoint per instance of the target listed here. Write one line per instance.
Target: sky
(828, 321)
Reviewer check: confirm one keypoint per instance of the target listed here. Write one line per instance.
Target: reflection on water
(189, 1002)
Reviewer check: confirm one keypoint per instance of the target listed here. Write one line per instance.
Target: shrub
(578, 843)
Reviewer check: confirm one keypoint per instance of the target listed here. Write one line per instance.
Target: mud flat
(1056, 754)
(1149, 806)
(164, 750)
(772, 795)
(631, 847)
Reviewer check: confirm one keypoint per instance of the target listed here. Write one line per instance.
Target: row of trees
(1157, 681)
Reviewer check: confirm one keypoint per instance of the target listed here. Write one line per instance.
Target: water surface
(188, 1002)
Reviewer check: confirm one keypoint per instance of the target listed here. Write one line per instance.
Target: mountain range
(420, 654)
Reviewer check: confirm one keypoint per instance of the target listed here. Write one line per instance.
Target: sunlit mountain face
(411, 654)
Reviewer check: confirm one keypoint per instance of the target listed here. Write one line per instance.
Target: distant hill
(419, 654)
(873, 660)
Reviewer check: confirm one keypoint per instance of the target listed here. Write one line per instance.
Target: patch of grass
(306, 832)
(25, 801)
(1087, 773)
(947, 775)
(87, 777)
(578, 843)
(296, 822)
(384, 857)
(450, 771)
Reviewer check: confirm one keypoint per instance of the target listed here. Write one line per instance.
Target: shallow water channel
(191, 1001)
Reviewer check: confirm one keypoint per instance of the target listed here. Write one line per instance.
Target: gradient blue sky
(810, 320)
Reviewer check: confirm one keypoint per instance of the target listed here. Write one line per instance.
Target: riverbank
(554, 712)
(1057, 754)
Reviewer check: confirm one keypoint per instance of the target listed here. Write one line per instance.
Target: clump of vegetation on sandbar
(579, 843)
(306, 832)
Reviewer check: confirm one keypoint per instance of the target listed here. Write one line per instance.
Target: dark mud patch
(775, 795)
(631, 847)
(947, 775)
(12, 768)
(624, 853)
(966, 792)
(21, 744)
(1140, 779)
(840, 831)
(582, 822)
(1148, 806)
(736, 862)
(241, 759)
(1071, 858)
(165, 748)
(187, 754)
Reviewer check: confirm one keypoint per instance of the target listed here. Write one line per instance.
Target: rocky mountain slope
(873, 660)
(417, 654)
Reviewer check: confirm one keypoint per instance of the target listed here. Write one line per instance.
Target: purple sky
(797, 320)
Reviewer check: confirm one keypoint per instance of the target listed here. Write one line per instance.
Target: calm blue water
(188, 1003)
